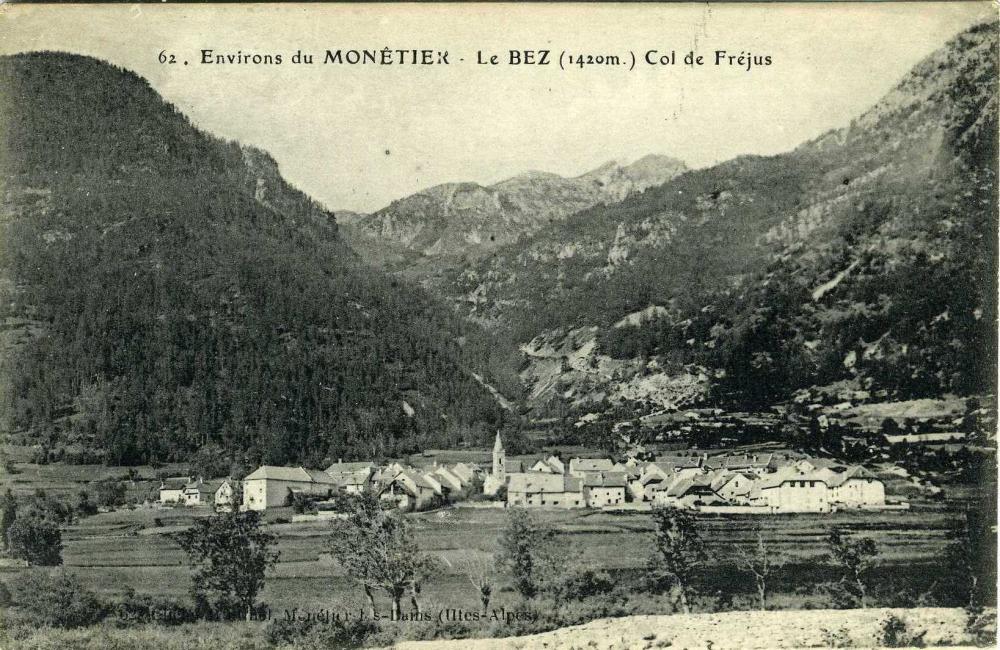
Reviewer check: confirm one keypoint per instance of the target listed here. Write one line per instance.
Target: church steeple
(499, 458)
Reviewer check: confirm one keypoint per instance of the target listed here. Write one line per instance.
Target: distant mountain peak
(463, 218)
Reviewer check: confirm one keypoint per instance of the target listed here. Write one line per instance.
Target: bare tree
(756, 559)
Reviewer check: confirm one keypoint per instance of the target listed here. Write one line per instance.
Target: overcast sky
(358, 137)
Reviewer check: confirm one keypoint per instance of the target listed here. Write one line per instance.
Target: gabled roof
(318, 476)
(463, 471)
(543, 483)
(855, 471)
(353, 478)
(590, 465)
(210, 487)
(339, 468)
(276, 473)
(823, 463)
(175, 483)
(605, 479)
(788, 474)
(445, 477)
(419, 480)
(679, 461)
(549, 464)
(402, 483)
(693, 484)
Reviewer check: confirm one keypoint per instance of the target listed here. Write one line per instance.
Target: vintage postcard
(498, 325)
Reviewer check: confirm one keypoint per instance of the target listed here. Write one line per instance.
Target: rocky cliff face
(467, 219)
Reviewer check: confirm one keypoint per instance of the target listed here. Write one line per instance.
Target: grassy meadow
(135, 548)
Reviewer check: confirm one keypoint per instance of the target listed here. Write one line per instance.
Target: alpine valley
(164, 290)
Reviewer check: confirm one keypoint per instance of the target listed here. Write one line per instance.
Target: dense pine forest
(166, 290)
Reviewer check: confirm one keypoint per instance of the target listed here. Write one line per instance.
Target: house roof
(543, 482)
(679, 461)
(293, 474)
(515, 466)
(339, 468)
(233, 484)
(210, 487)
(550, 464)
(403, 484)
(683, 486)
(605, 479)
(418, 479)
(463, 471)
(739, 461)
(823, 463)
(319, 476)
(790, 474)
(590, 465)
(175, 483)
(353, 478)
(855, 471)
(445, 477)
(276, 473)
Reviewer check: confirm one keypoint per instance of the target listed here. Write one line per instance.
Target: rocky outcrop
(468, 219)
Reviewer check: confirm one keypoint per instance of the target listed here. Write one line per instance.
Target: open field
(135, 548)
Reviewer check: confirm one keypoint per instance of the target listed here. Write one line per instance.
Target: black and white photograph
(542, 326)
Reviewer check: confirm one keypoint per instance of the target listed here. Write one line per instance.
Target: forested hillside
(867, 255)
(165, 290)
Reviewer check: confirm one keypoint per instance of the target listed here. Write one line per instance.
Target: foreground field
(858, 628)
(112, 551)
(742, 630)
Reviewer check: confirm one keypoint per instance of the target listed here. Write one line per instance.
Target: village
(759, 483)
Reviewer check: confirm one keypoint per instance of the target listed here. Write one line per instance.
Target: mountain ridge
(466, 219)
(167, 291)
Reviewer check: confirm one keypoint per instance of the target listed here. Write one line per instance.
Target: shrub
(5, 597)
(302, 503)
(57, 600)
(110, 493)
(577, 586)
(36, 540)
(351, 632)
(84, 506)
(894, 633)
(836, 638)
(144, 608)
(981, 625)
